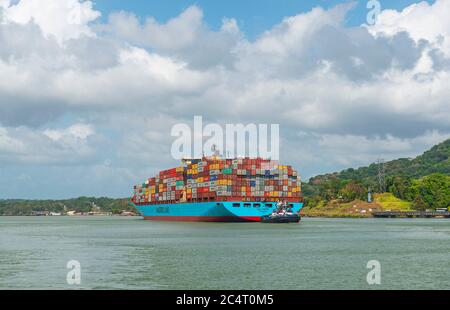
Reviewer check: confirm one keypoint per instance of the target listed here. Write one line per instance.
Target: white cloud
(177, 33)
(142, 79)
(293, 31)
(420, 20)
(63, 19)
(363, 146)
(185, 36)
(77, 131)
(8, 144)
(65, 146)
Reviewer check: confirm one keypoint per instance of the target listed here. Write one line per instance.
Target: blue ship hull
(219, 211)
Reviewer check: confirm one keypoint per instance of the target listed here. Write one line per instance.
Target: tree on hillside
(420, 204)
(400, 187)
(353, 191)
(435, 190)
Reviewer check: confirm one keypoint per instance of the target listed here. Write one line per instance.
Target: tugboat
(283, 214)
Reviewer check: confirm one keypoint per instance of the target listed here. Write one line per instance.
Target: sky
(252, 16)
(90, 90)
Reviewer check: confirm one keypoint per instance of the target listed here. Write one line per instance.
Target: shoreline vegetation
(403, 185)
(82, 206)
(358, 208)
(418, 184)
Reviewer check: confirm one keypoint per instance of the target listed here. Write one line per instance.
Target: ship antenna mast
(216, 152)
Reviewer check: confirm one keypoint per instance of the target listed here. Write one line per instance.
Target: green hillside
(423, 181)
(435, 160)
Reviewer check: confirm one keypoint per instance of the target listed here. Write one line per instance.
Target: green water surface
(130, 253)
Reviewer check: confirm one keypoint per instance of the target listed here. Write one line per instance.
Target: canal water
(130, 253)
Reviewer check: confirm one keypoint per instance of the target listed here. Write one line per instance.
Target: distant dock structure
(413, 214)
(40, 213)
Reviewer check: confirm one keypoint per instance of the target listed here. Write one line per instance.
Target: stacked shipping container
(222, 180)
(167, 186)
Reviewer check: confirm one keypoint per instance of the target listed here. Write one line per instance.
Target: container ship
(213, 189)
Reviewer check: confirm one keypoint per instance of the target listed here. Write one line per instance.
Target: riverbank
(75, 206)
(358, 208)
